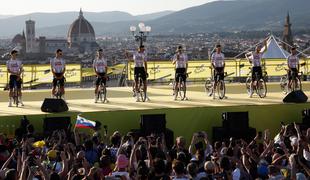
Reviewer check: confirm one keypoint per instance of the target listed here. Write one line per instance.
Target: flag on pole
(84, 123)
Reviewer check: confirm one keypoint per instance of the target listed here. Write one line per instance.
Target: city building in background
(81, 35)
(287, 34)
(81, 40)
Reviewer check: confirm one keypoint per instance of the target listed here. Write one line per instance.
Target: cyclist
(293, 66)
(58, 67)
(255, 58)
(15, 68)
(140, 61)
(101, 68)
(218, 65)
(180, 61)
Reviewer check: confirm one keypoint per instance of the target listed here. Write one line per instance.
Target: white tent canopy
(274, 51)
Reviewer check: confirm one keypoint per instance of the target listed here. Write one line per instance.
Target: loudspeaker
(169, 138)
(219, 134)
(51, 124)
(153, 123)
(222, 134)
(54, 105)
(235, 120)
(296, 97)
(306, 117)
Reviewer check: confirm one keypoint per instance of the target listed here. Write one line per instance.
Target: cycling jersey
(256, 59)
(292, 61)
(100, 65)
(14, 66)
(139, 59)
(217, 59)
(58, 65)
(181, 61)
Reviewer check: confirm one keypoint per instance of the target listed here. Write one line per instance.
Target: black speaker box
(51, 124)
(219, 134)
(169, 137)
(222, 134)
(235, 120)
(54, 105)
(306, 117)
(153, 123)
(245, 134)
(296, 97)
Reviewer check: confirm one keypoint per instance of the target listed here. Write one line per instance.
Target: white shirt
(218, 59)
(14, 66)
(256, 59)
(139, 59)
(181, 61)
(292, 61)
(100, 65)
(58, 65)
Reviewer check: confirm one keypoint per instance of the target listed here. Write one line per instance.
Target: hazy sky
(17, 7)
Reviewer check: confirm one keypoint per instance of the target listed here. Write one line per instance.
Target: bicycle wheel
(173, 90)
(100, 95)
(104, 94)
(248, 82)
(182, 90)
(15, 96)
(208, 86)
(221, 89)
(261, 88)
(284, 84)
(297, 85)
(141, 91)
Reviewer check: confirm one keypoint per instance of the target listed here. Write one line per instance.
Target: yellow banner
(39, 74)
(164, 70)
(3, 74)
(116, 69)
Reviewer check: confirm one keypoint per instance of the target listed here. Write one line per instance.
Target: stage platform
(122, 113)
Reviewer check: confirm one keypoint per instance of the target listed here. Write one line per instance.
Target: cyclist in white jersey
(293, 66)
(15, 68)
(101, 68)
(218, 65)
(255, 58)
(58, 67)
(140, 69)
(180, 61)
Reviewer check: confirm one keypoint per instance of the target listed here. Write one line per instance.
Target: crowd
(75, 155)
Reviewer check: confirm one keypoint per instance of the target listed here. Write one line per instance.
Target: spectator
(62, 157)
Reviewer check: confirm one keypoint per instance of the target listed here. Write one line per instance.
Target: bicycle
(221, 89)
(260, 87)
(295, 85)
(181, 89)
(140, 88)
(15, 94)
(58, 94)
(102, 92)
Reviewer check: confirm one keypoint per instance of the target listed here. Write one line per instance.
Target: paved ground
(81, 100)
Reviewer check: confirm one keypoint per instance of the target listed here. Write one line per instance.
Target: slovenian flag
(84, 123)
